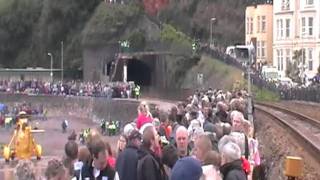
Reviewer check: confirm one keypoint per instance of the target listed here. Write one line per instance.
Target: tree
(152, 7)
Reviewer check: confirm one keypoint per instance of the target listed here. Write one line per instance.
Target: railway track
(304, 129)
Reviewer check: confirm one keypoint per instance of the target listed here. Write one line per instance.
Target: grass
(265, 95)
(219, 75)
(216, 74)
(4, 6)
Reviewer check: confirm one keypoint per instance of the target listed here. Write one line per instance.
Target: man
(187, 168)
(55, 170)
(149, 166)
(98, 168)
(128, 159)
(64, 126)
(231, 163)
(71, 155)
(182, 142)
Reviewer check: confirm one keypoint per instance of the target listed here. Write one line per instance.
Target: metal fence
(285, 93)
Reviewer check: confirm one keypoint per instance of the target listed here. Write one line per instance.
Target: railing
(285, 93)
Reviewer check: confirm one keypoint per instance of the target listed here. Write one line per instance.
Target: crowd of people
(9, 114)
(207, 137)
(75, 88)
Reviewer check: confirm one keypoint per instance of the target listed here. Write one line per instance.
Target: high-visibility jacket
(137, 90)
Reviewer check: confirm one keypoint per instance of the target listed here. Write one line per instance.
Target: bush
(170, 34)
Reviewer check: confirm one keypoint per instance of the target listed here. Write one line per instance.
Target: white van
(269, 73)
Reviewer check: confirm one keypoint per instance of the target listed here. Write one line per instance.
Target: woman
(144, 116)
(122, 143)
(111, 160)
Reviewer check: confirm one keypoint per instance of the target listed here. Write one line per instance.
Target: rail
(305, 129)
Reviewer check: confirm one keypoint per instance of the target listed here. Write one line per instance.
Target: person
(127, 160)
(169, 158)
(83, 158)
(210, 166)
(64, 125)
(182, 142)
(231, 163)
(203, 145)
(55, 170)
(137, 91)
(71, 154)
(111, 159)
(187, 168)
(98, 167)
(143, 115)
(149, 165)
(164, 129)
(25, 170)
(122, 143)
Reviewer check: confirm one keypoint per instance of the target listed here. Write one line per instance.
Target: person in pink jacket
(144, 115)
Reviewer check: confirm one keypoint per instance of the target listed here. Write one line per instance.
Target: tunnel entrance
(139, 72)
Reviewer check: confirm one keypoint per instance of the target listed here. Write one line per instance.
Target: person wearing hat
(187, 168)
(127, 161)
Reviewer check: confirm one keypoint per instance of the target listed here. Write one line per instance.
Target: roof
(29, 70)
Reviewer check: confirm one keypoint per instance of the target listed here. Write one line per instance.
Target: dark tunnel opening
(139, 72)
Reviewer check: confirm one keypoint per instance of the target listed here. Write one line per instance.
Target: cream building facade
(259, 30)
(296, 27)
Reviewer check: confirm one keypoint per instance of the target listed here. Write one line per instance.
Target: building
(296, 27)
(29, 74)
(259, 30)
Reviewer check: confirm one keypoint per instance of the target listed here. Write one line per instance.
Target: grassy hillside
(217, 74)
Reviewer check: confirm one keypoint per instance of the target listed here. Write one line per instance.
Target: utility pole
(51, 65)
(62, 62)
(211, 30)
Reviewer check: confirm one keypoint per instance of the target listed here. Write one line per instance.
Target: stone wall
(124, 110)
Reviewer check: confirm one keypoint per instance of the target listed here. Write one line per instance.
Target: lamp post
(251, 54)
(51, 64)
(211, 29)
(62, 62)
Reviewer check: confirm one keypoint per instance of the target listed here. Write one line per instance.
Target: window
(258, 24)
(281, 28)
(278, 29)
(278, 59)
(303, 27)
(285, 5)
(263, 24)
(287, 28)
(247, 25)
(306, 26)
(309, 2)
(310, 27)
(310, 59)
(251, 25)
(258, 49)
(281, 60)
(262, 47)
